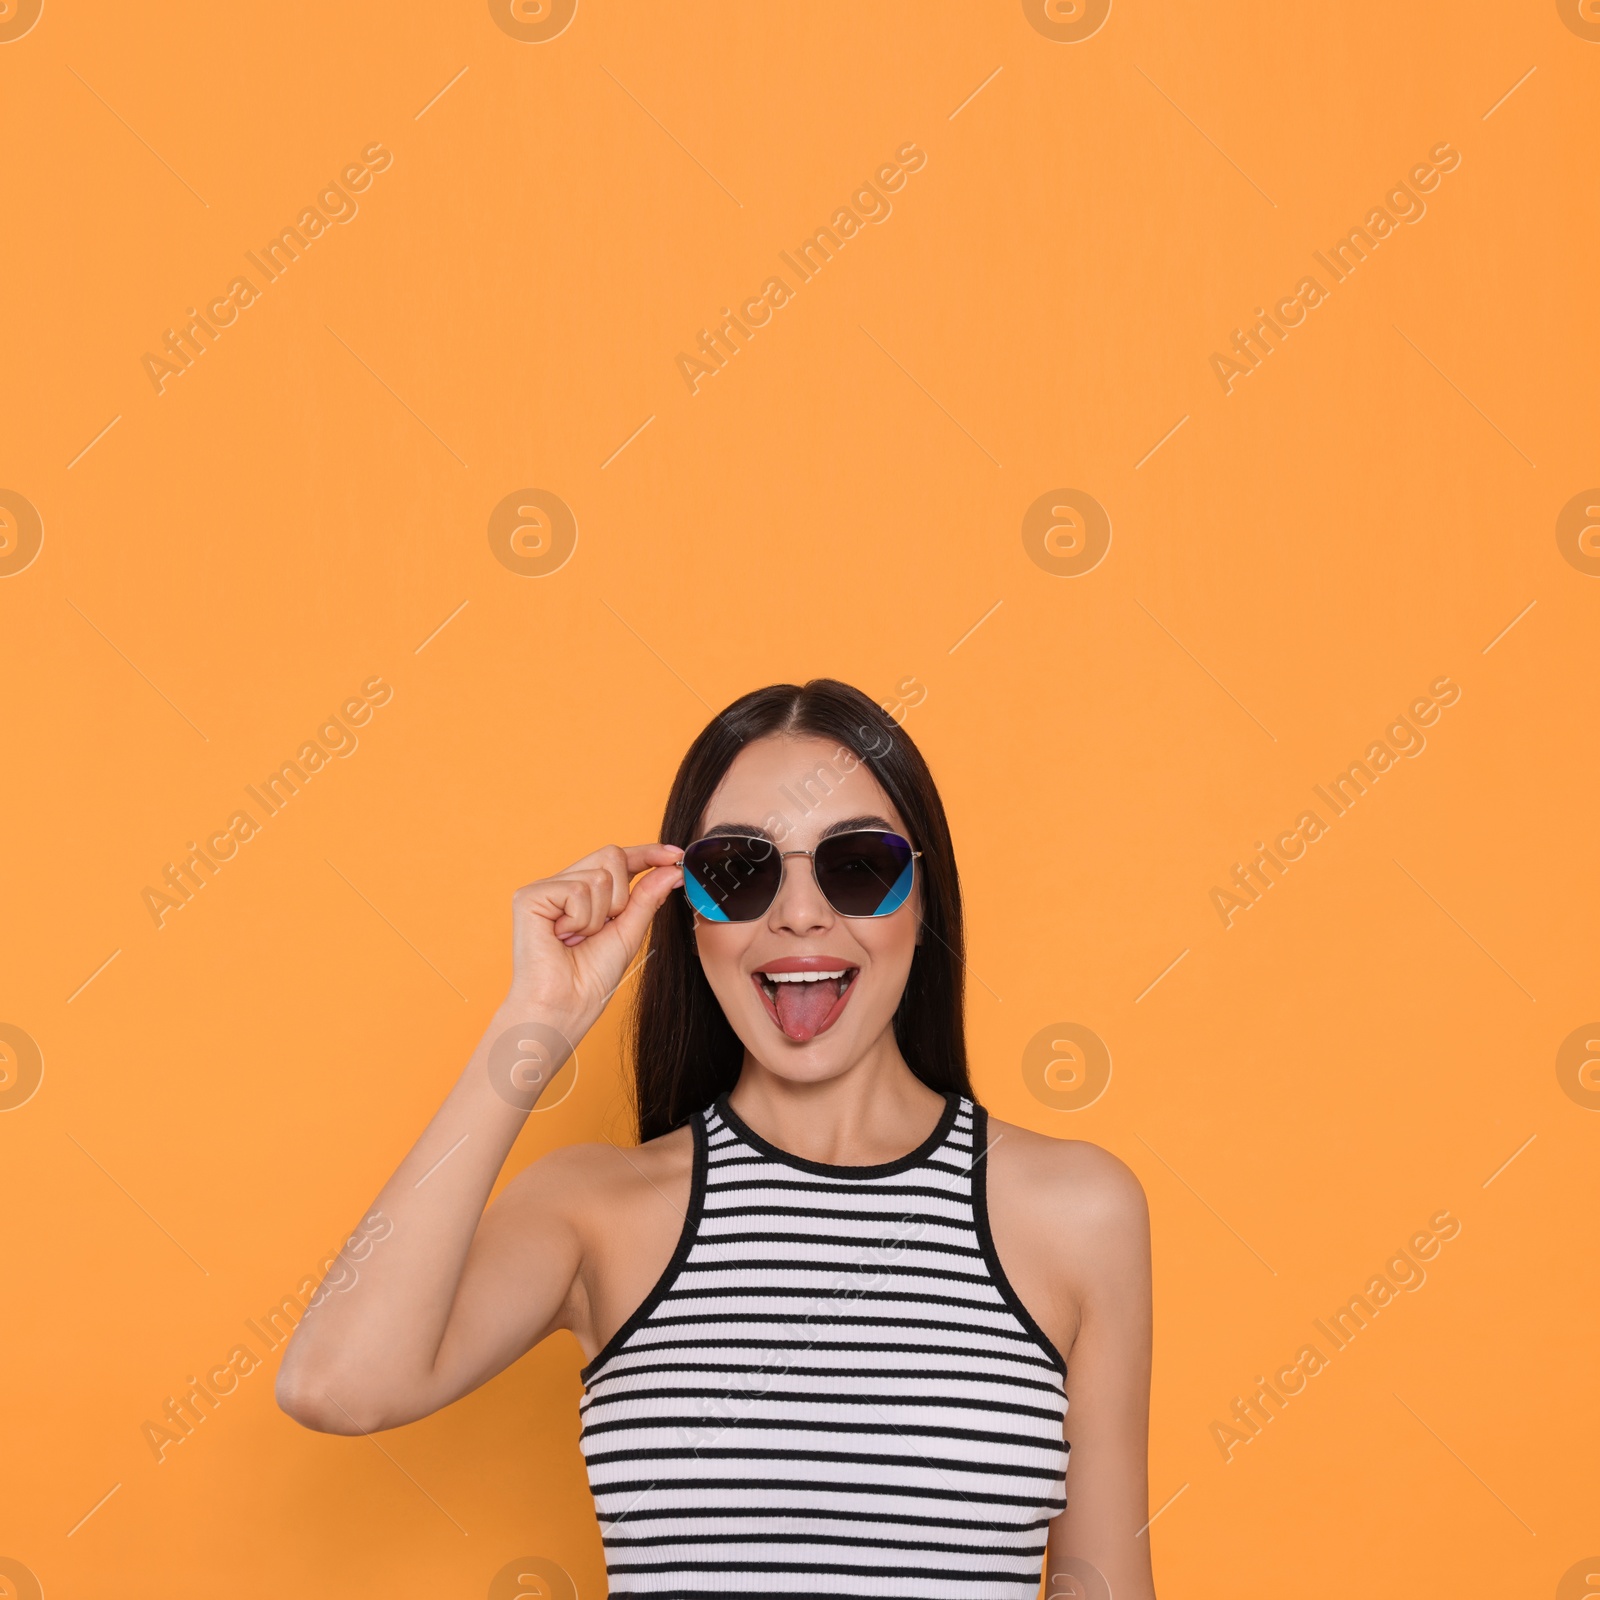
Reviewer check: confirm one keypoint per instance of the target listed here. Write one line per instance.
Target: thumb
(644, 900)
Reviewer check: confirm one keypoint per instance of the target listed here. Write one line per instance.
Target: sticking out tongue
(804, 1007)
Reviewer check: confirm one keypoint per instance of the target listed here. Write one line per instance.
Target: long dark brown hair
(684, 1051)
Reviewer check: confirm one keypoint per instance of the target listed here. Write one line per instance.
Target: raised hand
(575, 933)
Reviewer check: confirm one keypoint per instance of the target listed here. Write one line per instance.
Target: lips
(805, 995)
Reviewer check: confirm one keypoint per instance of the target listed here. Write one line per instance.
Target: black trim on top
(980, 1217)
(691, 1227)
(826, 1169)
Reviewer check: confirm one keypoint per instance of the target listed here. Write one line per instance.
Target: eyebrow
(756, 831)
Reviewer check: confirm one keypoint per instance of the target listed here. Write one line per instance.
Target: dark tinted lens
(864, 874)
(732, 879)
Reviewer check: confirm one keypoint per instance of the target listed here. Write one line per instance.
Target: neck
(875, 1111)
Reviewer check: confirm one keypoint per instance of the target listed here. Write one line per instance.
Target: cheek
(721, 953)
(891, 942)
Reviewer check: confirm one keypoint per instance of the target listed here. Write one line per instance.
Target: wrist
(525, 1047)
(517, 1010)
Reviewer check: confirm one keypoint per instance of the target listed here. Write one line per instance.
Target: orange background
(304, 507)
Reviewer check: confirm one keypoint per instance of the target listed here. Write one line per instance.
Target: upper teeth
(801, 977)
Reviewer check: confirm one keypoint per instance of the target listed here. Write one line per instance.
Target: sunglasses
(736, 877)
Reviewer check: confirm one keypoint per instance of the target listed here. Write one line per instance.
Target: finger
(641, 856)
(611, 881)
(637, 857)
(616, 867)
(649, 892)
(602, 896)
(572, 898)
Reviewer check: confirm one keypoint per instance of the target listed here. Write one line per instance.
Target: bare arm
(436, 1298)
(1108, 1390)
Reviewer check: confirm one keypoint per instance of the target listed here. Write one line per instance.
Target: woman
(828, 1306)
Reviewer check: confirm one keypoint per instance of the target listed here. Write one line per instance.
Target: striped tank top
(832, 1389)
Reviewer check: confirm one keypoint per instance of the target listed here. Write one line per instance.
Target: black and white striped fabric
(832, 1390)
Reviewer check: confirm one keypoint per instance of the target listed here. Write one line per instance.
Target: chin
(824, 1056)
(805, 1063)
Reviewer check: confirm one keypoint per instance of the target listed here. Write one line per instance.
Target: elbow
(309, 1397)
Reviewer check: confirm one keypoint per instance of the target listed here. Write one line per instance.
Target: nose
(800, 906)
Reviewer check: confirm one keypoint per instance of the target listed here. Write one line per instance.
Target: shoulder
(1069, 1223)
(1066, 1179)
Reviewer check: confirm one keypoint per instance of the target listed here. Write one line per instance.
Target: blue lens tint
(731, 878)
(865, 874)
(735, 877)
